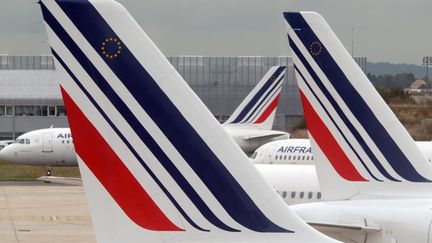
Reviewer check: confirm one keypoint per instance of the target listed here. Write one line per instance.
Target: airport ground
(38, 212)
(11, 172)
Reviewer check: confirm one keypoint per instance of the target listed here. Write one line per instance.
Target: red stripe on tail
(112, 173)
(328, 144)
(268, 111)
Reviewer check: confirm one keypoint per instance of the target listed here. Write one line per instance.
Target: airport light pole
(427, 61)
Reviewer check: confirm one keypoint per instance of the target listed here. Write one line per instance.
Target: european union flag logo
(315, 48)
(111, 48)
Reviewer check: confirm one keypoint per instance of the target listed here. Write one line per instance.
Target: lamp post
(427, 61)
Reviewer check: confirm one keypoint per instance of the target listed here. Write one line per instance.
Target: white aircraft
(158, 167)
(376, 182)
(251, 123)
(299, 151)
(44, 147)
(54, 146)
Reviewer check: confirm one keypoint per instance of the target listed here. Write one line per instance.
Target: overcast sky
(398, 31)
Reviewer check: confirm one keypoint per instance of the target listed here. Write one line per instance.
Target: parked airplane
(158, 167)
(377, 182)
(45, 147)
(54, 146)
(299, 151)
(251, 123)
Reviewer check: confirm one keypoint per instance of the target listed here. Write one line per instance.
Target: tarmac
(36, 212)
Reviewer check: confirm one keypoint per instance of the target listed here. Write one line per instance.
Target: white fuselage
(299, 151)
(46, 147)
(286, 151)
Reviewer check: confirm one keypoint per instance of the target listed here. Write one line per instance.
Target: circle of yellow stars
(116, 53)
(315, 48)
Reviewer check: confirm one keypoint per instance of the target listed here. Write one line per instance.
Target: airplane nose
(6, 154)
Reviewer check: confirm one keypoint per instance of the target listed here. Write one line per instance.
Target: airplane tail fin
(360, 145)
(155, 163)
(258, 109)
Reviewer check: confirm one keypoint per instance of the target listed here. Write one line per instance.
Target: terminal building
(30, 97)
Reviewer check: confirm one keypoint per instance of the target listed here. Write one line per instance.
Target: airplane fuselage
(46, 147)
(299, 151)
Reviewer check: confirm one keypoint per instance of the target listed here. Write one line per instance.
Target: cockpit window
(22, 141)
(254, 155)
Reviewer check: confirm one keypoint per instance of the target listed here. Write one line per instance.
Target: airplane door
(268, 159)
(47, 143)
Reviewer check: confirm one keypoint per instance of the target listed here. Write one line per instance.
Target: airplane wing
(264, 136)
(62, 180)
(343, 228)
(348, 232)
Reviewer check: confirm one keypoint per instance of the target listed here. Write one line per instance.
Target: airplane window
(303, 157)
(293, 194)
(61, 111)
(312, 158)
(319, 195)
(27, 141)
(284, 194)
(20, 141)
(289, 157)
(307, 157)
(285, 157)
(68, 141)
(276, 157)
(310, 194)
(301, 195)
(62, 141)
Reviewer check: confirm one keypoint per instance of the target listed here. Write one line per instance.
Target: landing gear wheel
(48, 173)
